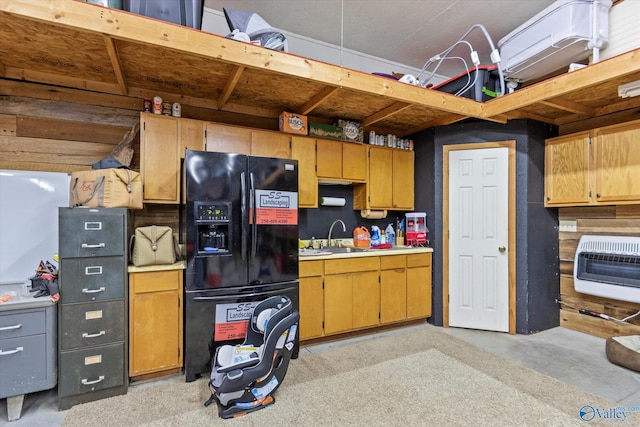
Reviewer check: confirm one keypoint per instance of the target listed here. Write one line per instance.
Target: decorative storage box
(351, 131)
(325, 131)
(293, 123)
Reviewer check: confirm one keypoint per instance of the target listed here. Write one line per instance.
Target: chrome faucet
(344, 228)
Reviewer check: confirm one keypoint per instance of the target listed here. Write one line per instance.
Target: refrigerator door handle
(254, 227)
(243, 214)
(250, 295)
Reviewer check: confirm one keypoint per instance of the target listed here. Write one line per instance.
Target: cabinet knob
(598, 195)
(548, 198)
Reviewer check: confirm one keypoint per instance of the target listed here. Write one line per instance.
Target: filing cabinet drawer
(91, 232)
(92, 279)
(22, 361)
(90, 369)
(22, 324)
(91, 324)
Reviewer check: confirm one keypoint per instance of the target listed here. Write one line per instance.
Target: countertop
(21, 298)
(319, 254)
(180, 265)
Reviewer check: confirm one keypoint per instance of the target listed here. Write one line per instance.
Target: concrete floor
(572, 357)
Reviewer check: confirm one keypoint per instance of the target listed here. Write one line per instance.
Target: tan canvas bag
(153, 245)
(106, 188)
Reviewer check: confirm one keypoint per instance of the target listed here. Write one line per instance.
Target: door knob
(502, 248)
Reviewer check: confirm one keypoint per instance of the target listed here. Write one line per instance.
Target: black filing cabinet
(92, 312)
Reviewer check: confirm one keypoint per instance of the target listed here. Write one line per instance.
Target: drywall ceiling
(404, 31)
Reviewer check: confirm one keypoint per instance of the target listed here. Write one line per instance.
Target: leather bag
(153, 245)
(106, 188)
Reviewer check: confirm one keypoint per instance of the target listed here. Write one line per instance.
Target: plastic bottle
(375, 235)
(383, 237)
(391, 235)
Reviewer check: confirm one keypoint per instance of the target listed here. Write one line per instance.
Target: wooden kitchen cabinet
(163, 141)
(597, 167)
(346, 283)
(403, 180)
(304, 151)
(155, 321)
(222, 138)
(418, 286)
(566, 170)
(227, 139)
(311, 299)
(617, 164)
(389, 183)
(393, 288)
(159, 158)
(270, 144)
(342, 161)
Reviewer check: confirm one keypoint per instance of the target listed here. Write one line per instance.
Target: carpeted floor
(421, 377)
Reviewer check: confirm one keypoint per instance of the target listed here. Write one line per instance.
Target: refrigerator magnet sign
(275, 207)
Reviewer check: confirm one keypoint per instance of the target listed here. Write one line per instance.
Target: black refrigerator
(241, 222)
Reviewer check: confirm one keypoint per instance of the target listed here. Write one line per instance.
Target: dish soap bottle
(391, 235)
(375, 235)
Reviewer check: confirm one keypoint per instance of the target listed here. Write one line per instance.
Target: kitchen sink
(338, 250)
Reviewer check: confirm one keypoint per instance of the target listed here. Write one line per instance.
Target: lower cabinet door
(91, 369)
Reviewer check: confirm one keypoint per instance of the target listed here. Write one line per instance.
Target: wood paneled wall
(605, 220)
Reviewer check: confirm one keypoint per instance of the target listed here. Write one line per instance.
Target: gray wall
(537, 265)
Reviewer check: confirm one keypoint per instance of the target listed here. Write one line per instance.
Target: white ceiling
(404, 31)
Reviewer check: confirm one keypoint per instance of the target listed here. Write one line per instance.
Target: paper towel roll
(369, 214)
(333, 201)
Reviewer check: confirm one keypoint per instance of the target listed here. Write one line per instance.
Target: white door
(478, 237)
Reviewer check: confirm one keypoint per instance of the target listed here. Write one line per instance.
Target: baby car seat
(245, 376)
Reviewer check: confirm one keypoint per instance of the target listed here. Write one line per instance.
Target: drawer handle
(8, 328)
(5, 353)
(86, 335)
(87, 382)
(88, 246)
(93, 291)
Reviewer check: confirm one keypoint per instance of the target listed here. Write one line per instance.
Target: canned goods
(146, 105)
(176, 110)
(166, 108)
(157, 105)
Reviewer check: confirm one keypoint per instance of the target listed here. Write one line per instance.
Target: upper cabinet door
(159, 159)
(191, 135)
(303, 150)
(567, 170)
(228, 139)
(354, 161)
(403, 179)
(617, 166)
(380, 185)
(329, 158)
(270, 144)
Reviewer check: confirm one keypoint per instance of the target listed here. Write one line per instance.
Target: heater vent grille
(608, 266)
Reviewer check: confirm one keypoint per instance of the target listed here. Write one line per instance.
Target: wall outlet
(570, 226)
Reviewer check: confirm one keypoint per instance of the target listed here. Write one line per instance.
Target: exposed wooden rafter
(112, 51)
(570, 106)
(232, 81)
(317, 99)
(389, 111)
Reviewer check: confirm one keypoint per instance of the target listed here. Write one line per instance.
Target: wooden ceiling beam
(230, 85)
(385, 112)
(112, 51)
(570, 106)
(317, 99)
(592, 75)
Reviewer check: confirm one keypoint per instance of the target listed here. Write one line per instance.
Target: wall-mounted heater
(609, 267)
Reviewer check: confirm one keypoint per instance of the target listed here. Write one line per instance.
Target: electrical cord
(495, 57)
(596, 314)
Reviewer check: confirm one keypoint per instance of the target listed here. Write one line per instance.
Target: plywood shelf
(77, 45)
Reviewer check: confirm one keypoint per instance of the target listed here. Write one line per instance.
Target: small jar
(176, 109)
(146, 105)
(157, 105)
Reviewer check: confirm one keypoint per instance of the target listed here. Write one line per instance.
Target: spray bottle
(375, 235)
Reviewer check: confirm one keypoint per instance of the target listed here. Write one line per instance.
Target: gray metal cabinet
(93, 305)
(27, 351)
